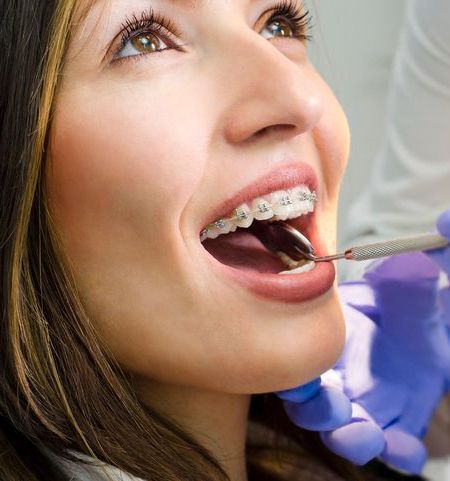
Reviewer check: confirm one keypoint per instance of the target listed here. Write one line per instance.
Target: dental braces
(263, 207)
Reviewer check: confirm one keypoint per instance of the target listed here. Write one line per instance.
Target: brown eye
(289, 20)
(146, 42)
(280, 29)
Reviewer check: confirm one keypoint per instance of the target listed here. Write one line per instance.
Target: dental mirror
(279, 236)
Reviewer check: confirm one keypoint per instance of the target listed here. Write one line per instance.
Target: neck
(218, 421)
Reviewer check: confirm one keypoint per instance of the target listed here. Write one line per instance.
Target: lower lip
(289, 288)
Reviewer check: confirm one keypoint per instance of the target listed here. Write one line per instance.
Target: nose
(270, 93)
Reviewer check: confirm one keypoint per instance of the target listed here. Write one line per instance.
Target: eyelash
(299, 19)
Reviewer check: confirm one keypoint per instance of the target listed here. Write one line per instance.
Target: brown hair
(61, 392)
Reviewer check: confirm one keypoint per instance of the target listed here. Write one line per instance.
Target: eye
(280, 29)
(289, 19)
(152, 32)
(148, 34)
(142, 43)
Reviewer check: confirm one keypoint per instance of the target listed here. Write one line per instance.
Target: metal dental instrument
(279, 236)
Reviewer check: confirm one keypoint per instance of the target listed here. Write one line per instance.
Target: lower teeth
(295, 267)
(299, 270)
(288, 261)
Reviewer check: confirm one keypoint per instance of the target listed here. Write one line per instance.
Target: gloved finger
(442, 256)
(301, 393)
(444, 298)
(384, 400)
(360, 331)
(403, 451)
(419, 410)
(359, 441)
(443, 224)
(328, 409)
(406, 290)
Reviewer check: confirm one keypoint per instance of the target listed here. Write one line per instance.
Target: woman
(127, 335)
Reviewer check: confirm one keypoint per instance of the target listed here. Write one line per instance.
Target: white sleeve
(96, 471)
(410, 182)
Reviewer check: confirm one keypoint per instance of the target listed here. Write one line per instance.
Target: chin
(314, 347)
(294, 350)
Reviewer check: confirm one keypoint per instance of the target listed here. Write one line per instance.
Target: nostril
(279, 128)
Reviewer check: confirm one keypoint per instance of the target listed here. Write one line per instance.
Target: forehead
(86, 12)
(83, 7)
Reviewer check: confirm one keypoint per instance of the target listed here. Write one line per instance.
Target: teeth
(305, 268)
(243, 216)
(302, 199)
(282, 205)
(262, 209)
(221, 226)
(287, 260)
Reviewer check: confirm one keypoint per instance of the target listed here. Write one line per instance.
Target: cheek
(117, 161)
(332, 139)
(119, 175)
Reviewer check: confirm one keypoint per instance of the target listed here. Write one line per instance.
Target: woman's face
(148, 150)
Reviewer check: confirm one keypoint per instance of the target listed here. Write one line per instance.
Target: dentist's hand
(346, 428)
(442, 258)
(393, 370)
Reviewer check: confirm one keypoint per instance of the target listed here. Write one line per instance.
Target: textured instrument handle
(397, 246)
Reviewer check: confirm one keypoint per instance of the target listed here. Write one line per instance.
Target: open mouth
(234, 247)
(244, 250)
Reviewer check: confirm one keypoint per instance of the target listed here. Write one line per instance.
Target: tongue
(242, 250)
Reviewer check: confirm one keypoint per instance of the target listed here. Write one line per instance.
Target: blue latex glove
(393, 370)
(442, 258)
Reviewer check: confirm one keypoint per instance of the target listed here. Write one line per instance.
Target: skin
(140, 151)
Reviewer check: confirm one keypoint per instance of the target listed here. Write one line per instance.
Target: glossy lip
(291, 288)
(281, 178)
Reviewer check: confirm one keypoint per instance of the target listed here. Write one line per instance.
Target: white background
(354, 43)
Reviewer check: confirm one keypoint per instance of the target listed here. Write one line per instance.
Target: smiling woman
(128, 343)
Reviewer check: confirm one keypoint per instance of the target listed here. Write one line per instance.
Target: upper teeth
(279, 205)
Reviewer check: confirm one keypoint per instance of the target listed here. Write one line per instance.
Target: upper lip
(281, 178)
